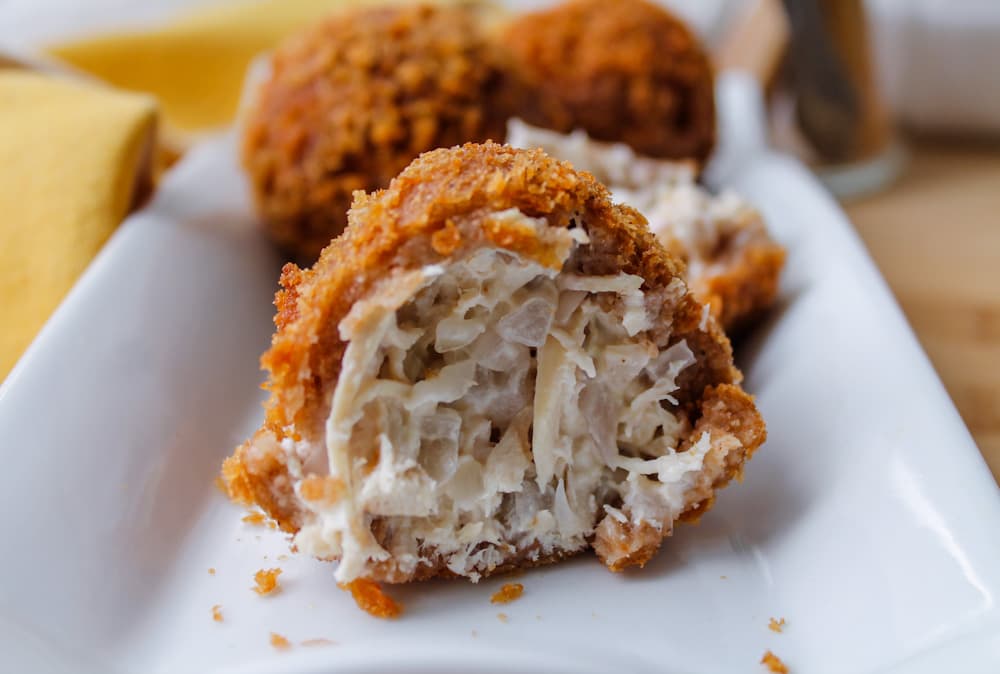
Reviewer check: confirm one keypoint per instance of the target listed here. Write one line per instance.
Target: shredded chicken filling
(494, 406)
(686, 217)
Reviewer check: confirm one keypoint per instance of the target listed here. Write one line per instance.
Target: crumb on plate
(211, 570)
(776, 625)
(255, 517)
(507, 593)
(217, 613)
(320, 641)
(774, 663)
(282, 557)
(280, 642)
(502, 617)
(369, 597)
(267, 581)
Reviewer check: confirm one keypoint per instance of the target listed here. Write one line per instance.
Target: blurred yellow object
(196, 66)
(74, 158)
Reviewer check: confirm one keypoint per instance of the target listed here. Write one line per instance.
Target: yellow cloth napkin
(73, 157)
(69, 153)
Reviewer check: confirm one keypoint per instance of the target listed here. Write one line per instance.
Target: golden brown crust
(736, 430)
(740, 283)
(626, 71)
(728, 414)
(454, 195)
(351, 101)
(621, 544)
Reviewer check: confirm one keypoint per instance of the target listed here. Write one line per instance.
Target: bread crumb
(508, 593)
(774, 663)
(369, 597)
(776, 625)
(724, 577)
(255, 517)
(502, 617)
(320, 641)
(217, 613)
(282, 558)
(267, 581)
(211, 570)
(279, 642)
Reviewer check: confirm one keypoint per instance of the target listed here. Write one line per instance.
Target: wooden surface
(936, 237)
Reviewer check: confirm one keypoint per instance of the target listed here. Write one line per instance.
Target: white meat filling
(495, 405)
(665, 191)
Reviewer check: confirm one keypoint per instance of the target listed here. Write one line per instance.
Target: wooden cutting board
(936, 236)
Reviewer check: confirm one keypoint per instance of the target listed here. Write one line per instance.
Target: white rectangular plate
(868, 521)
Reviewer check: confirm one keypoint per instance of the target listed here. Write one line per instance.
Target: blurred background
(894, 103)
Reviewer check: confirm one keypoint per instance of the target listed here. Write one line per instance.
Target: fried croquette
(350, 102)
(625, 71)
(733, 264)
(494, 367)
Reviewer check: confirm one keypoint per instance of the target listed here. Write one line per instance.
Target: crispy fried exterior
(350, 102)
(448, 195)
(746, 287)
(728, 414)
(739, 281)
(626, 71)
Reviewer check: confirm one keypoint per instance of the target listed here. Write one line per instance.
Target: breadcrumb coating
(776, 625)
(625, 71)
(740, 281)
(351, 101)
(217, 613)
(426, 216)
